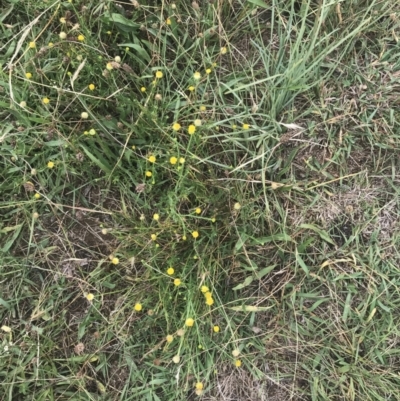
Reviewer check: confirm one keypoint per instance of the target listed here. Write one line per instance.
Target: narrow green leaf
(259, 3)
(245, 283)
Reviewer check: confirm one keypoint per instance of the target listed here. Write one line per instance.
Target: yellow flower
(90, 297)
(234, 126)
(51, 44)
(176, 359)
(204, 289)
(203, 108)
(208, 71)
(214, 64)
(199, 386)
(196, 75)
(159, 74)
(92, 132)
(85, 132)
(84, 115)
(32, 45)
(223, 50)
(46, 100)
(213, 220)
(170, 271)
(138, 307)
(109, 33)
(168, 21)
(191, 88)
(191, 129)
(176, 127)
(184, 238)
(169, 338)
(62, 35)
(209, 301)
(36, 196)
(236, 352)
(173, 160)
(92, 87)
(81, 38)
(50, 164)
(195, 234)
(156, 216)
(197, 122)
(143, 89)
(152, 159)
(109, 66)
(114, 261)
(238, 363)
(197, 210)
(28, 75)
(181, 160)
(63, 20)
(246, 126)
(6, 329)
(177, 282)
(153, 237)
(148, 173)
(208, 294)
(133, 147)
(189, 322)
(216, 329)
(237, 206)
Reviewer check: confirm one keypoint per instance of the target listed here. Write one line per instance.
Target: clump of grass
(178, 201)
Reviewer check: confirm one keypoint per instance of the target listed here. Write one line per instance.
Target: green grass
(284, 202)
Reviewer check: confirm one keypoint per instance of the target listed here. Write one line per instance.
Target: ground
(199, 200)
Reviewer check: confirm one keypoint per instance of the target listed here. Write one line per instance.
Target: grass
(199, 200)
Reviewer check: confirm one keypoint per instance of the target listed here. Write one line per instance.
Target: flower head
(177, 282)
(245, 126)
(28, 75)
(237, 206)
(173, 160)
(50, 164)
(238, 363)
(196, 75)
(159, 74)
(84, 115)
(62, 35)
(46, 100)
(216, 329)
(90, 297)
(223, 50)
(114, 261)
(32, 45)
(197, 210)
(204, 289)
(92, 131)
(6, 329)
(91, 87)
(156, 216)
(152, 159)
(189, 322)
(37, 195)
(143, 89)
(170, 271)
(181, 160)
(63, 20)
(191, 88)
(148, 174)
(138, 307)
(168, 21)
(203, 108)
(176, 127)
(197, 122)
(81, 38)
(191, 129)
(195, 234)
(199, 386)
(23, 104)
(236, 352)
(208, 71)
(169, 338)
(176, 359)
(109, 66)
(209, 301)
